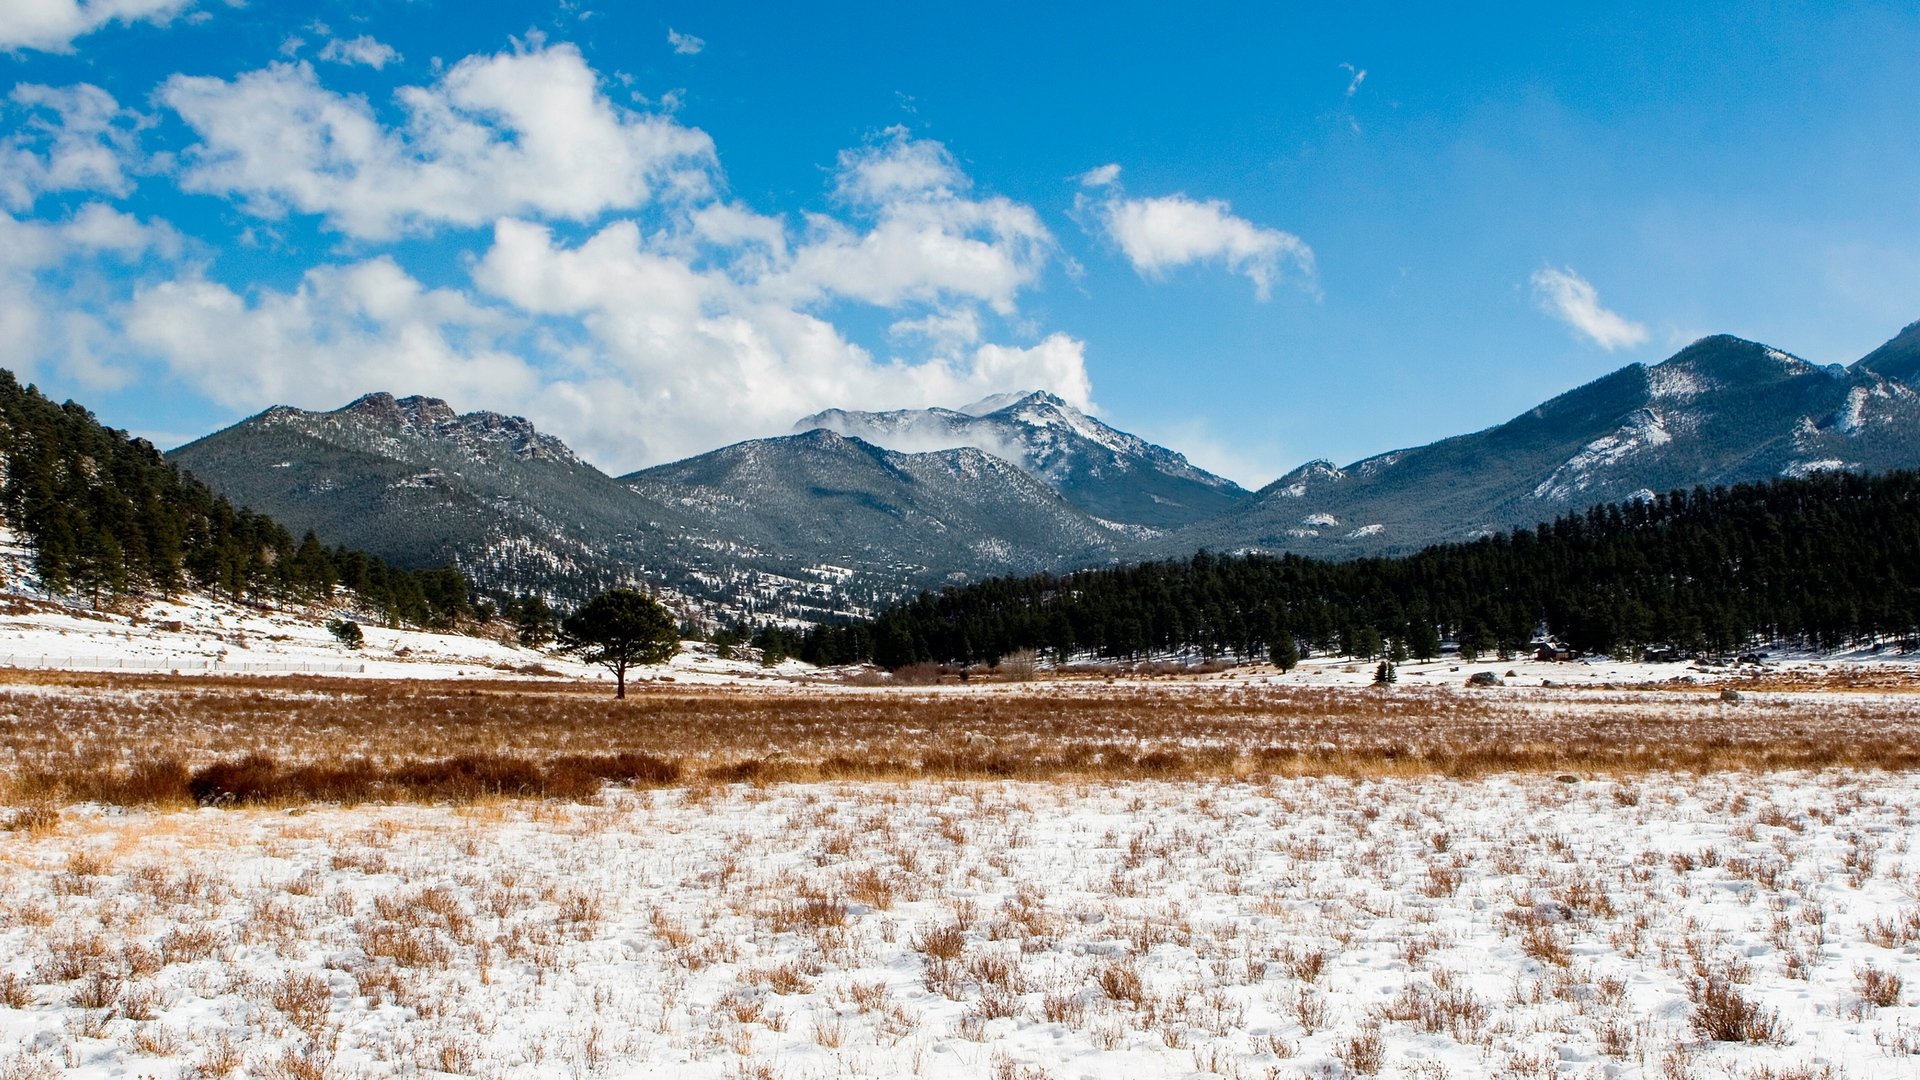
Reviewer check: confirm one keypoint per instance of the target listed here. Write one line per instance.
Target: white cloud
(52, 25)
(525, 132)
(1100, 176)
(684, 44)
(363, 50)
(1058, 363)
(896, 166)
(1570, 298)
(637, 344)
(679, 360)
(55, 290)
(946, 331)
(97, 228)
(641, 347)
(1160, 234)
(928, 242)
(343, 331)
(1357, 76)
(76, 138)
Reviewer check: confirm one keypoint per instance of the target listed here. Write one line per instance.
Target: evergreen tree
(533, 621)
(1283, 652)
(106, 515)
(619, 629)
(1423, 639)
(1822, 561)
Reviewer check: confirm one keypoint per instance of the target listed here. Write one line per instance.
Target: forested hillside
(104, 515)
(1829, 560)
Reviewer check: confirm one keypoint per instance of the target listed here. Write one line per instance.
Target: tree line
(1826, 561)
(105, 515)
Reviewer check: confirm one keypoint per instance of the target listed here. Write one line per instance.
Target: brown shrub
(266, 739)
(254, 778)
(1723, 1014)
(1880, 989)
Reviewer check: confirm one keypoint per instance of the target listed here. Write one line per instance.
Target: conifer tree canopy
(1826, 561)
(105, 515)
(618, 629)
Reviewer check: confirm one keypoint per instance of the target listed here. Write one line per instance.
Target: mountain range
(856, 508)
(1721, 411)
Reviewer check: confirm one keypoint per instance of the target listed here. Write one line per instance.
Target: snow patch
(1853, 415)
(1642, 431)
(1374, 465)
(1800, 470)
(1676, 384)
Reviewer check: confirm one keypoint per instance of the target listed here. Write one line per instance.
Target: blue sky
(1255, 233)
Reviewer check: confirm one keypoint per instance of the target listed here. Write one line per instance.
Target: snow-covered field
(194, 635)
(1348, 881)
(1516, 927)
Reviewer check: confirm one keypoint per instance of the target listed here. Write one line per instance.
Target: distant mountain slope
(415, 483)
(1106, 472)
(825, 498)
(1897, 359)
(828, 521)
(1723, 410)
(1825, 561)
(105, 516)
(806, 525)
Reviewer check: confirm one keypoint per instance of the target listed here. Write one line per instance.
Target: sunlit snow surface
(964, 930)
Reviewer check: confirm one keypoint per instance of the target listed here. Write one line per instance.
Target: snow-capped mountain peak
(1107, 472)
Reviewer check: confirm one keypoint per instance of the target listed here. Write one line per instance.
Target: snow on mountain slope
(1721, 411)
(1109, 473)
(1643, 430)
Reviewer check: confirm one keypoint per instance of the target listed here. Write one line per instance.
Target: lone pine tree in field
(619, 629)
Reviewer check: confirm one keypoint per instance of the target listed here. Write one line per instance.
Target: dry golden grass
(1285, 927)
(179, 740)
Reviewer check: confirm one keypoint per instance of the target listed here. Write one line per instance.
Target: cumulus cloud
(677, 356)
(919, 237)
(1170, 231)
(1573, 300)
(946, 331)
(525, 133)
(712, 322)
(74, 138)
(1100, 176)
(53, 25)
(897, 166)
(684, 44)
(56, 306)
(364, 50)
(343, 331)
